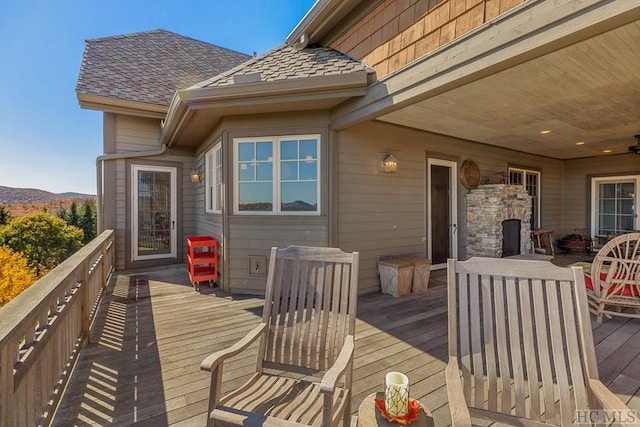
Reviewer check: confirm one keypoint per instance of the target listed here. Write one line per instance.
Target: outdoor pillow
(627, 290)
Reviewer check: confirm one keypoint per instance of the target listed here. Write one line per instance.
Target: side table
(369, 416)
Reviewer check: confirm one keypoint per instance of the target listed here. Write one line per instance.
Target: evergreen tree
(72, 216)
(87, 222)
(5, 216)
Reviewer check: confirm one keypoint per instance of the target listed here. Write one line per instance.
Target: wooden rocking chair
(520, 345)
(305, 356)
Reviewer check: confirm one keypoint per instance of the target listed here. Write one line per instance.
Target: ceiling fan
(635, 149)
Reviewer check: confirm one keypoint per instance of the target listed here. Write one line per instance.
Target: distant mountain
(11, 196)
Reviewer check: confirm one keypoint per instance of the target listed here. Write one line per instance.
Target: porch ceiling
(588, 91)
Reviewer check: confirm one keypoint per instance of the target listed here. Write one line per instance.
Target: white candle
(396, 394)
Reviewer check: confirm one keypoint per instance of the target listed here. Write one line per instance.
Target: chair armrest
(330, 378)
(457, 403)
(213, 360)
(606, 397)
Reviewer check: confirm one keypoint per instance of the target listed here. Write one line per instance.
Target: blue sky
(46, 140)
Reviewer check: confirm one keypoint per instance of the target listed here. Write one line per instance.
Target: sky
(46, 140)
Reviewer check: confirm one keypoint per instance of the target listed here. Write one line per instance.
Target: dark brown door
(440, 213)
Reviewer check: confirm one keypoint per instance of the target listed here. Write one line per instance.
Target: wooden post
(85, 293)
(7, 359)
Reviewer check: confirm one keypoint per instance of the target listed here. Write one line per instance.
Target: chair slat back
(310, 305)
(521, 332)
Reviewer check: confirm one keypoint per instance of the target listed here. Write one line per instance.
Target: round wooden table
(369, 416)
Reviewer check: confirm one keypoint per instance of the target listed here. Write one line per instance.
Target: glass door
(442, 241)
(154, 212)
(614, 205)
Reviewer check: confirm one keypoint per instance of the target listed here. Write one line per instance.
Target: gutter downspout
(100, 169)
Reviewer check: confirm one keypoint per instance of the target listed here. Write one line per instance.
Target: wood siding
(399, 31)
(575, 207)
(134, 135)
(385, 214)
(241, 236)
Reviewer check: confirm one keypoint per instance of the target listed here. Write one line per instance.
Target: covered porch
(153, 329)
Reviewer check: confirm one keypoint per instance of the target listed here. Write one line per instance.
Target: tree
(15, 275)
(5, 215)
(87, 221)
(45, 240)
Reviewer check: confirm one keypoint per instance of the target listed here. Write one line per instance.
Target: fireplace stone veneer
(487, 207)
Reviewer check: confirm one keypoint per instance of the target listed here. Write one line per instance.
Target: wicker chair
(613, 287)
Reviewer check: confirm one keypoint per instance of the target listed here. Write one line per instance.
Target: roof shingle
(286, 63)
(149, 67)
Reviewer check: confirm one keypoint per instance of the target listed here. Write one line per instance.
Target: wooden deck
(154, 329)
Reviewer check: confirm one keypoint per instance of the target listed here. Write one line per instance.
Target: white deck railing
(42, 330)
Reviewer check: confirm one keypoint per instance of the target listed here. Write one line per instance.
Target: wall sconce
(388, 163)
(196, 175)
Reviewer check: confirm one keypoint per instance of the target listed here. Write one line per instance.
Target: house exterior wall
(133, 135)
(397, 32)
(576, 201)
(244, 236)
(380, 215)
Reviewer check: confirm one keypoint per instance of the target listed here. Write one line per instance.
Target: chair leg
(600, 312)
(346, 417)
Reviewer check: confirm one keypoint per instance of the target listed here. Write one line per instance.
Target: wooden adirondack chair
(305, 356)
(521, 347)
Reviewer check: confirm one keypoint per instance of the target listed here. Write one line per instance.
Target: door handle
(173, 225)
(455, 227)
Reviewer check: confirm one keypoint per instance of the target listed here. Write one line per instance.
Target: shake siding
(399, 31)
(576, 208)
(385, 214)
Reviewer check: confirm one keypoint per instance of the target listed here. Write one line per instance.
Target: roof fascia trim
(112, 105)
(324, 86)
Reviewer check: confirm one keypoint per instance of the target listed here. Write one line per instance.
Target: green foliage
(15, 275)
(86, 221)
(45, 240)
(5, 215)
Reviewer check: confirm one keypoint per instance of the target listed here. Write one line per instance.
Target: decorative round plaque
(470, 174)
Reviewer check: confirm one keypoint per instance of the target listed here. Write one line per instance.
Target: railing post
(6, 384)
(86, 301)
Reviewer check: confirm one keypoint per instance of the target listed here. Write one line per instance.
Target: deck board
(153, 330)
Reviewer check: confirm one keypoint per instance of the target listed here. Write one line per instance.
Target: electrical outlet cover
(257, 265)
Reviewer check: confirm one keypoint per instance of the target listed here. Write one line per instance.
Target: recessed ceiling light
(606, 151)
(580, 143)
(544, 132)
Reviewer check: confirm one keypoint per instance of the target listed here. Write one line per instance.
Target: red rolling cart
(202, 260)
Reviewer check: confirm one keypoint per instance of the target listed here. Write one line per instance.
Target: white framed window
(277, 175)
(614, 204)
(213, 176)
(530, 179)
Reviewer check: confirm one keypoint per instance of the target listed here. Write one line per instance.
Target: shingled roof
(149, 67)
(286, 63)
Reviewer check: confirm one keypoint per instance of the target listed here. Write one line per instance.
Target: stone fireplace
(488, 206)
